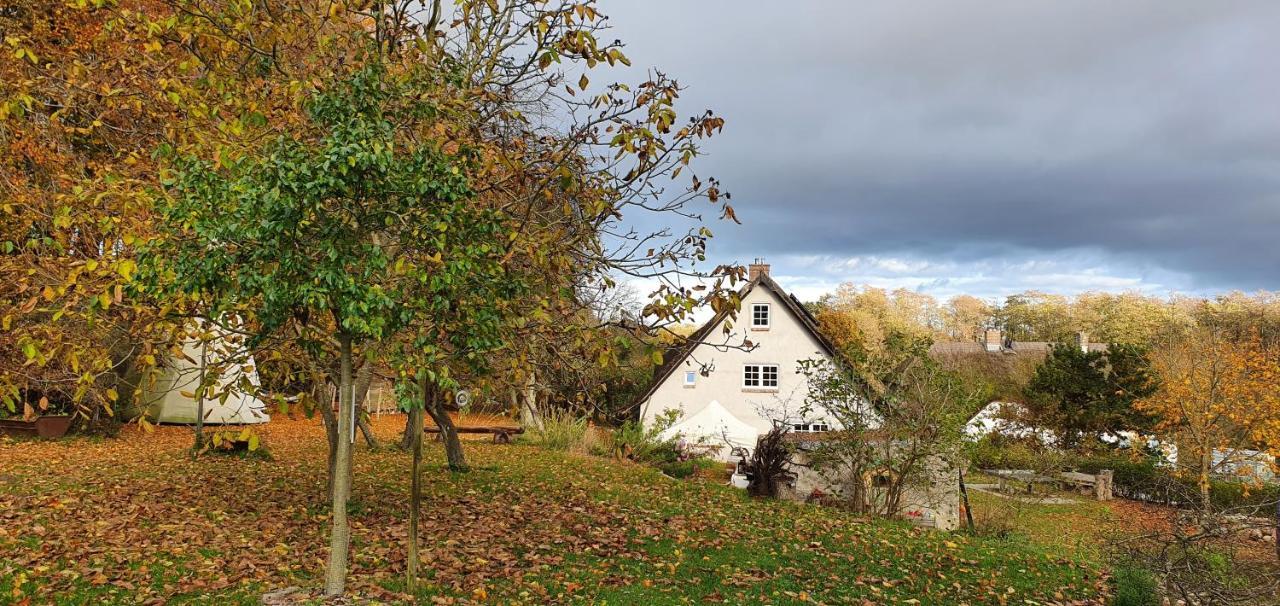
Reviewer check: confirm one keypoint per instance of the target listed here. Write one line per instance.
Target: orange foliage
(1218, 394)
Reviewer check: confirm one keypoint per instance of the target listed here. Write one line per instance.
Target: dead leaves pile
(134, 520)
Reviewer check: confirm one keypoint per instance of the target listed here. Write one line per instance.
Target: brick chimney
(993, 339)
(1082, 341)
(757, 269)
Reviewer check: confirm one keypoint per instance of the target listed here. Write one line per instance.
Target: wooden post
(1102, 486)
(964, 496)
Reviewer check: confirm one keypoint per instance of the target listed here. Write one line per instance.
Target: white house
(730, 388)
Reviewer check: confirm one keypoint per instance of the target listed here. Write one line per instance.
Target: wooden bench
(1025, 476)
(501, 435)
(1099, 485)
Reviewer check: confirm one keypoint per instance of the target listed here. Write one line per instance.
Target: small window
(760, 375)
(816, 427)
(760, 315)
(690, 377)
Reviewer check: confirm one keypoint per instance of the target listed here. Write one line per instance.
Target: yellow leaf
(126, 268)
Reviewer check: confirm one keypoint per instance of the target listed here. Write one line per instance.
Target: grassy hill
(133, 520)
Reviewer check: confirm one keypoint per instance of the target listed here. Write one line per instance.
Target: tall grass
(560, 430)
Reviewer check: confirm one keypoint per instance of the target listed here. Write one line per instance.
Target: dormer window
(760, 315)
(690, 377)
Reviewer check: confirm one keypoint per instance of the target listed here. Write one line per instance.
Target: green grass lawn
(134, 521)
(1080, 530)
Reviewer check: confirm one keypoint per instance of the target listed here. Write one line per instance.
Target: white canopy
(164, 401)
(715, 425)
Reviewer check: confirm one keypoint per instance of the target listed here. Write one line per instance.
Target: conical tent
(164, 400)
(714, 424)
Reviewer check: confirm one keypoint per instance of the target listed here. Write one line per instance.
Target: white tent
(164, 400)
(715, 425)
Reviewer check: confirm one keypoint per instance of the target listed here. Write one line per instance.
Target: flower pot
(47, 427)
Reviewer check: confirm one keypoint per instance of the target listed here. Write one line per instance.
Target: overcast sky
(986, 147)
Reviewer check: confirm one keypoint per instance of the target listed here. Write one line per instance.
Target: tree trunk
(204, 366)
(364, 377)
(1206, 465)
(324, 402)
(335, 578)
(448, 433)
(406, 437)
(964, 498)
(529, 416)
(415, 491)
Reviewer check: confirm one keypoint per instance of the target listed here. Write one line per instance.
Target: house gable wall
(786, 342)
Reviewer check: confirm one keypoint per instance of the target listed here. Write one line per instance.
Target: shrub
(1134, 586)
(691, 467)
(995, 452)
(633, 441)
(679, 469)
(770, 463)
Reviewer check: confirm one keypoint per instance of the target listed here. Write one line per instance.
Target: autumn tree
(1036, 316)
(83, 103)
(345, 220)
(964, 317)
(903, 432)
(1217, 402)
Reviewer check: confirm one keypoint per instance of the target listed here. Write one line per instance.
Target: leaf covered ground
(134, 520)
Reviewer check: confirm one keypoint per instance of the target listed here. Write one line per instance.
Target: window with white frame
(690, 377)
(760, 376)
(814, 427)
(760, 315)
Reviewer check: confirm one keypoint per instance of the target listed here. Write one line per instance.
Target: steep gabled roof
(681, 353)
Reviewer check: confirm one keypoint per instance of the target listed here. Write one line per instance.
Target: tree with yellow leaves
(1217, 402)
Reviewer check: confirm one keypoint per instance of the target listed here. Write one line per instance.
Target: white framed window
(690, 377)
(814, 427)
(760, 376)
(760, 315)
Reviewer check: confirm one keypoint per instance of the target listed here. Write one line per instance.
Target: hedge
(1141, 478)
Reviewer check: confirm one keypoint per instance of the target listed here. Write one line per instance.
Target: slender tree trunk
(324, 401)
(204, 366)
(529, 415)
(406, 437)
(1206, 464)
(964, 498)
(415, 490)
(364, 377)
(448, 433)
(335, 578)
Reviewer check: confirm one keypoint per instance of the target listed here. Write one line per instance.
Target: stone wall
(933, 500)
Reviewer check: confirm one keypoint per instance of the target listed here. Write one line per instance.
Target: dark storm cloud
(1146, 133)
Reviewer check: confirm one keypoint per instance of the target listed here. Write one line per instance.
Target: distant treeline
(1037, 316)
